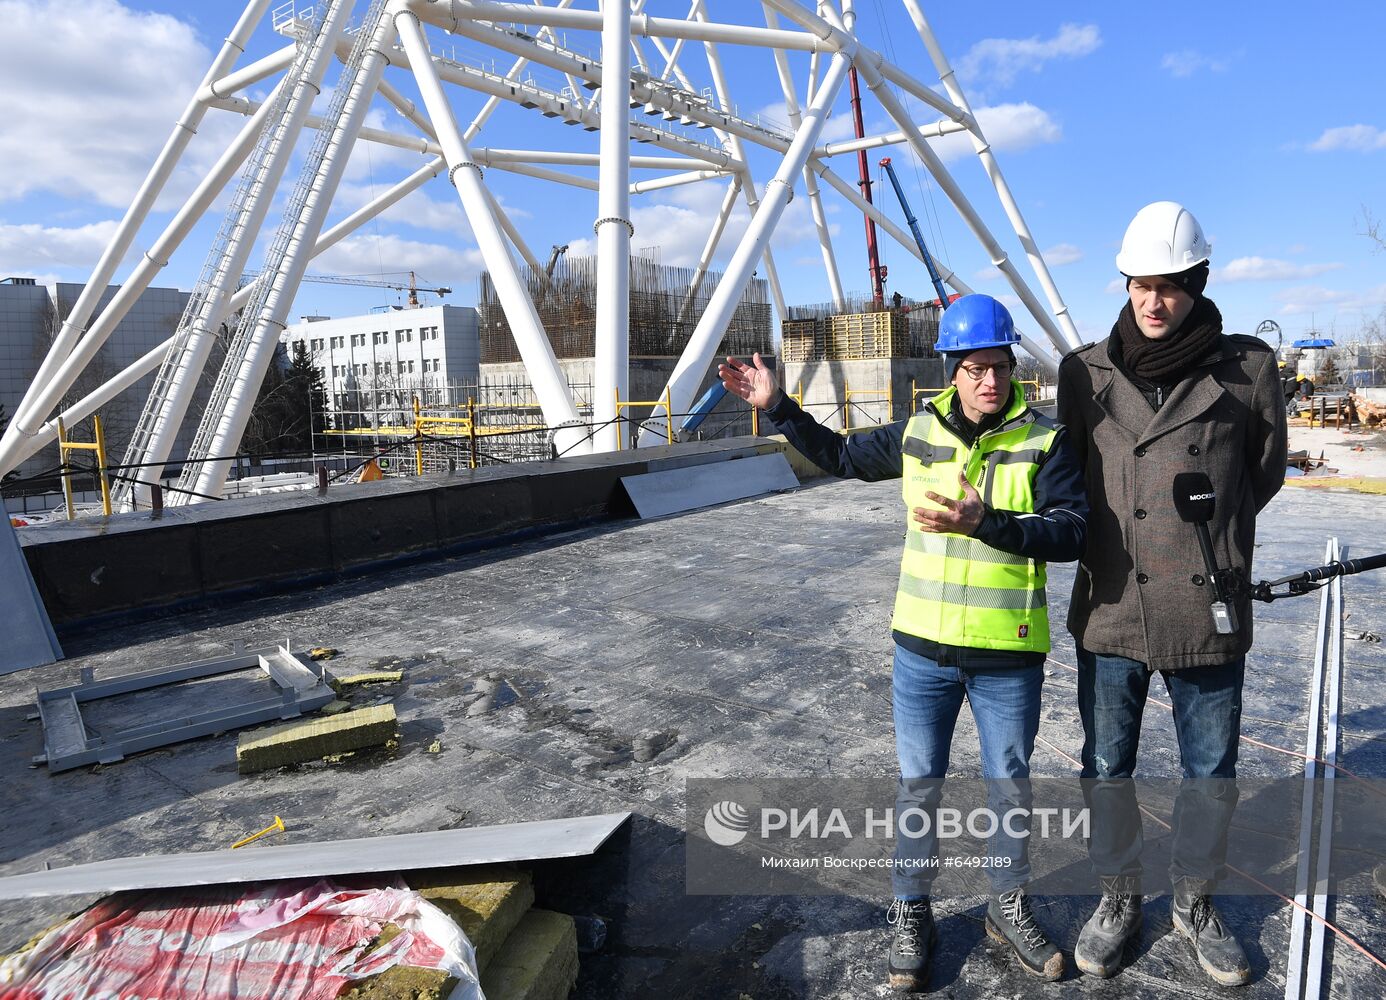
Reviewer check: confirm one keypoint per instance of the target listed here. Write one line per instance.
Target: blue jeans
(1207, 704)
(1006, 706)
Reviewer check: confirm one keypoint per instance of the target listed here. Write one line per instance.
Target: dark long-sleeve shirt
(1055, 532)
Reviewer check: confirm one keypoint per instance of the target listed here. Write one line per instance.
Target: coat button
(1140, 514)
(1142, 578)
(1140, 452)
(1193, 449)
(1197, 580)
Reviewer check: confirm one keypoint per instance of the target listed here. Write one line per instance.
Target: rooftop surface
(597, 670)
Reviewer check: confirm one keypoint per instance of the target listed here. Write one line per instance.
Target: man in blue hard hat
(992, 492)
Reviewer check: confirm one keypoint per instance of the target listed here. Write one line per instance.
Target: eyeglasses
(979, 372)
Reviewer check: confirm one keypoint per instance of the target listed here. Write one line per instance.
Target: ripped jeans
(1207, 702)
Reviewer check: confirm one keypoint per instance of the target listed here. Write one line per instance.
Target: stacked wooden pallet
(847, 337)
(868, 335)
(803, 340)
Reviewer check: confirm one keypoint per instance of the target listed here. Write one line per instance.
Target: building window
(403, 336)
(411, 366)
(315, 344)
(358, 340)
(338, 342)
(381, 337)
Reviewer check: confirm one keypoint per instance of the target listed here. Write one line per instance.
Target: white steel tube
(399, 140)
(974, 221)
(714, 237)
(585, 69)
(613, 228)
(513, 234)
(183, 131)
(871, 66)
(998, 180)
(45, 396)
(183, 382)
(675, 180)
(264, 337)
(643, 24)
(496, 157)
(820, 221)
(692, 366)
(118, 383)
(558, 177)
(930, 130)
(1042, 354)
(261, 69)
(493, 102)
(748, 187)
(550, 387)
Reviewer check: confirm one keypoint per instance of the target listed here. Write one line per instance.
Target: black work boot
(1195, 917)
(1117, 923)
(912, 947)
(1011, 922)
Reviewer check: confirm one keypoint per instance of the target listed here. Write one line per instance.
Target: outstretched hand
(754, 383)
(959, 517)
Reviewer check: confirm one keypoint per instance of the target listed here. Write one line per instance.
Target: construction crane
(873, 257)
(413, 288)
(918, 236)
(559, 249)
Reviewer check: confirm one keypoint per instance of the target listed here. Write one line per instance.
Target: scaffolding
(494, 420)
(665, 305)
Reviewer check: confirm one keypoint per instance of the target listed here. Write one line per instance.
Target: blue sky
(1269, 127)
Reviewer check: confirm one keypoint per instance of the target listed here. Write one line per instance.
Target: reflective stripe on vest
(959, 590)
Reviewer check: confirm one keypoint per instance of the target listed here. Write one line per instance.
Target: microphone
(1195, 500)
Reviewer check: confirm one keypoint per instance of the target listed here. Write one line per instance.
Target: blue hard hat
(974, 323)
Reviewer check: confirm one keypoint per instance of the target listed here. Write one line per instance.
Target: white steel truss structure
(627, 80)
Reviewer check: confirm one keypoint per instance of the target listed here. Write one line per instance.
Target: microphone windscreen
(1194, 497)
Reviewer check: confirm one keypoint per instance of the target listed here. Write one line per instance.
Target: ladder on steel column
(237, 373)
(197, 321)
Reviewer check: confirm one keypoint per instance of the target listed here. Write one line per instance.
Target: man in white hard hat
(1166, 393)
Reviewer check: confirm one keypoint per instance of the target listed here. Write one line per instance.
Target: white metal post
(246, 377)
(45, 395)
(550, 387)
(820, 220)
(613, 228)
(173, 407)
(714, 237)
(688, 373)
(23, 421)
(993, 169)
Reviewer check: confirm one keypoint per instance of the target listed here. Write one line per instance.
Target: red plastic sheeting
(288, 940)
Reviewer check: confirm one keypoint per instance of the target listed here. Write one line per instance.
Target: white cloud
(1117, 286)
(987, 274)
(1269, 269)
(1009, 128)
(91, 93)
(1357, 138)
(1187, 62)
(1312, 298)
(997, 61)
(25, 248)
(457, 267)
(1061, 254)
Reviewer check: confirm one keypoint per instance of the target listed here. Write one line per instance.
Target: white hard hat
(1163, 238)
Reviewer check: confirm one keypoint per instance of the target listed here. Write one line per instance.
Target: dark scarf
(1166, 361)
(969, 431)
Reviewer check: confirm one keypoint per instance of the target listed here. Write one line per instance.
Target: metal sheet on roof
(672, 491)
(554, 838)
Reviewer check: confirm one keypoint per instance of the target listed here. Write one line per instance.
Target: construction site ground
(596, 670)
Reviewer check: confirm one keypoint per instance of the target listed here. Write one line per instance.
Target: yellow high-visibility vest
(955, 589)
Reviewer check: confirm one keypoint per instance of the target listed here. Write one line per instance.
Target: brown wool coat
(1135, 593)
